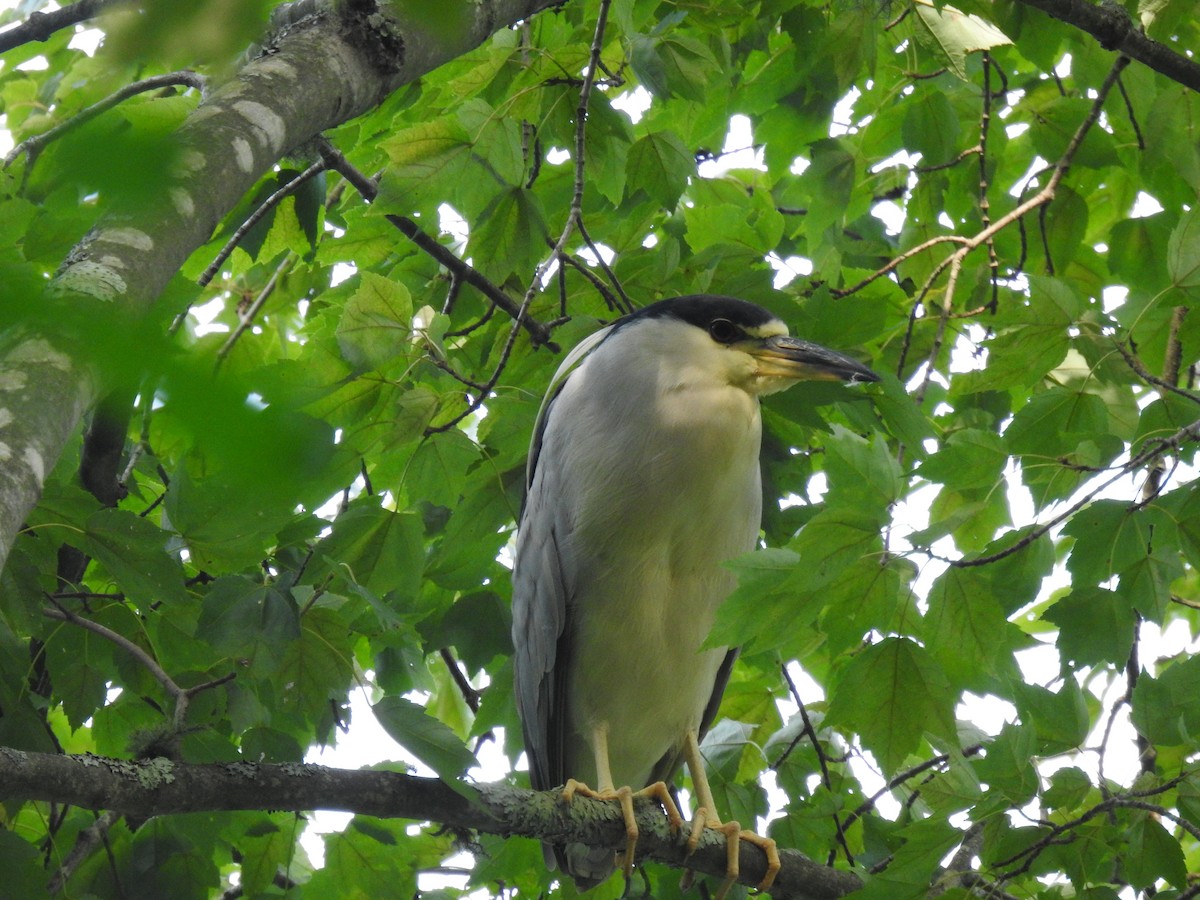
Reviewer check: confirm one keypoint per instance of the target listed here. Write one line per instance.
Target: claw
(625, 797)
(734, 833)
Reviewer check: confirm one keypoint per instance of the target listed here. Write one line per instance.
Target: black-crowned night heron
(643, 479)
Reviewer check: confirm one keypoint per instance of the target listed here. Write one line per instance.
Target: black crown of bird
(643, 479)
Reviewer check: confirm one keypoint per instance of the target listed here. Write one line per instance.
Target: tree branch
(269, 204)
(1111, 26)
(160, 787)
(40, 26)
(368, 190)
(32, 146)
(325, 70)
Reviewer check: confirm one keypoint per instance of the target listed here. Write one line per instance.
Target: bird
(643, 478)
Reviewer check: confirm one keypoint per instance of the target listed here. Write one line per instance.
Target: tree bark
(322, 70)
(1111, 26)
(160, 787)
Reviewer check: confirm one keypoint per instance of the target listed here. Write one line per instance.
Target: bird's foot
(734, 835)
(625, 797)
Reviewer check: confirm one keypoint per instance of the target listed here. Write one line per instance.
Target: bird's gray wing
(539, 624)
(541, 579)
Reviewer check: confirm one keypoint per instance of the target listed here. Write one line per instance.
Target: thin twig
(985, 119)
(626, 305)
(85, 595)
(1189, 433)
(610, 300)
(811, 734)
(246, 319)
(900, 260)
(476, 325)
(977, 150)
(148, 662)
(1055, 833)
(264, 208)
(1042, 197)
(575, 211)
(368, 190)
(869, 804)
(574, 218)
(143, 442)
(32, 146)
(457, 376)
(181, 696)
(469, 694)
(85, 845)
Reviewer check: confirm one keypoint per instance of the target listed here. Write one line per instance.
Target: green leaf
(1016, 576)
(1068, 789)
(966, 630)
(971, 458)
(830, 180)
(427, 739)
(731, 225)
(914, 864)
(660, 165)
(426, 158)
(892, 693)
(363, 861)
(673, 65)
(833, 540)
(376, 323)
(1060, 719)
(1095, 626)
(763, 602)
(134, 552)
(606, 149)
(24, 874)
(316, 670)
(955, 34)
(931, 126)
(1060, 118)
(243, 619)
(862, 474)
(1129, 256)
(497, 140)
(1054, 422)
(438, 469)
(1166, 709)
(81, 664)
(1183, 251)
(1066, 224)
(1008, 769)
(512, 236)
(1153, 854)
(1113, 539)
(374, 547)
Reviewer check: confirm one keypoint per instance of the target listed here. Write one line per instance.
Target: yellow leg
(623, 795)
(706, 816)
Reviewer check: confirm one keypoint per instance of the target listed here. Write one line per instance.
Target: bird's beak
(785, 357)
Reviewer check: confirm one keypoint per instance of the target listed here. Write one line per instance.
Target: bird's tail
(587, 866)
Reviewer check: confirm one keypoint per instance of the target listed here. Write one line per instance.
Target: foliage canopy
(319, 442)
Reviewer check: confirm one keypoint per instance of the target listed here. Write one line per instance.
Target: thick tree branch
(322, 72)
(40, 26)
(1110, 24)
(162, 787)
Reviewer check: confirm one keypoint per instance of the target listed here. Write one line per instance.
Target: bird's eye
(723, 331)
